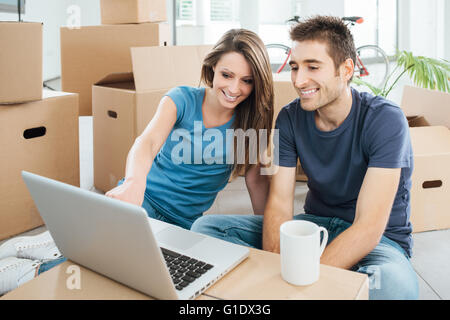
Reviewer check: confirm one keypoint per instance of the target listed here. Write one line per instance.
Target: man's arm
(373, 208)
(279, 207)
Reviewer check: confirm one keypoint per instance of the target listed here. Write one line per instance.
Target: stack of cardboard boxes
(89, 53)
(97, 63)
(38, 128)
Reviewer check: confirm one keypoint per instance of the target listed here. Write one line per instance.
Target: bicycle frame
(363, 72)
(285, 61)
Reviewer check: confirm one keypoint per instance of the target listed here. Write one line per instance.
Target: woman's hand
(130, 190)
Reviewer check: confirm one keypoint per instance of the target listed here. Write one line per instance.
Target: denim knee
(239, 229)
(391, 275)
(389, 282)
(206, 224)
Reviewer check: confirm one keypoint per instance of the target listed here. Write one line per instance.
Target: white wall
(446, 35)
(424, 27)
(322, 7)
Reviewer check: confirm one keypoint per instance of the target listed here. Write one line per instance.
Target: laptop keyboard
(183, 269)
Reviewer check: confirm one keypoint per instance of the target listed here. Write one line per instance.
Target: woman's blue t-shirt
(191, 167)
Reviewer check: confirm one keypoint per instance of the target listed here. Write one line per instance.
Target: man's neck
(331, 116)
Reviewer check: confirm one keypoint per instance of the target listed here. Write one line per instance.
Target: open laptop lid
(92, 230)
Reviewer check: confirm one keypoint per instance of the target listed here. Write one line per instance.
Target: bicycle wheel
(278, 57)
(372, 65)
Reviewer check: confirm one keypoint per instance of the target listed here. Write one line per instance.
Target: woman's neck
(214, 115)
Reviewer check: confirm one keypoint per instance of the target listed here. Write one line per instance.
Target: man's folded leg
(240, 229)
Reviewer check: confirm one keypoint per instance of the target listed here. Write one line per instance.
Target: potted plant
(425, 72)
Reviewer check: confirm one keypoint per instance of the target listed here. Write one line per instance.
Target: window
(273, 15)
(380, 23)
(185, 10)
(12, 6)
(224, 10)
(204, 21)
(221, 10)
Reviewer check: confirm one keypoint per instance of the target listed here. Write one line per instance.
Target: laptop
(118, 240)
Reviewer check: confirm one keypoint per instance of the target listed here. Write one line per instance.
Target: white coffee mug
(300, 251)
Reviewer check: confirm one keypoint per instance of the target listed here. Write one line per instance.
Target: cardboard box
(284, 94)
(430, 189)
(90, 53)
(124, 103)
(132, 11)
(20, 62)
(40, 137)
(433, 105)
(428, 116)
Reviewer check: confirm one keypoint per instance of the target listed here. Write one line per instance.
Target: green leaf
(376, 91)
(426, 72)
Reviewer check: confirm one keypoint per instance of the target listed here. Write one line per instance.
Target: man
(356, 151)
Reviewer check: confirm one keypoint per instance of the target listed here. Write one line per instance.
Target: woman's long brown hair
(255, 112)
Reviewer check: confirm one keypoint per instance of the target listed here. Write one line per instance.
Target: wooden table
(257, 278)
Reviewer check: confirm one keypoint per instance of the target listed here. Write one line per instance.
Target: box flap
(430, 140)
(432, 104)
(115, 78)
(157, 68)
(47, 94)
(417, 121)
(21, 22)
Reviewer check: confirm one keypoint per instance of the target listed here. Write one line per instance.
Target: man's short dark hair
(331, 30)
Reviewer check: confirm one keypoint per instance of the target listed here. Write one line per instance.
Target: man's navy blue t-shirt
(374, 134)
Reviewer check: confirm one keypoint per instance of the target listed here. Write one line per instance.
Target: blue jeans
(152, 212)
(390, 272)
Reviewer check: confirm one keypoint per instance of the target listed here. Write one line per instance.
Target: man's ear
(347, 69)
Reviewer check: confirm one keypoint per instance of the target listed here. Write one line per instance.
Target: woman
(238, 95)
(177, 184)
